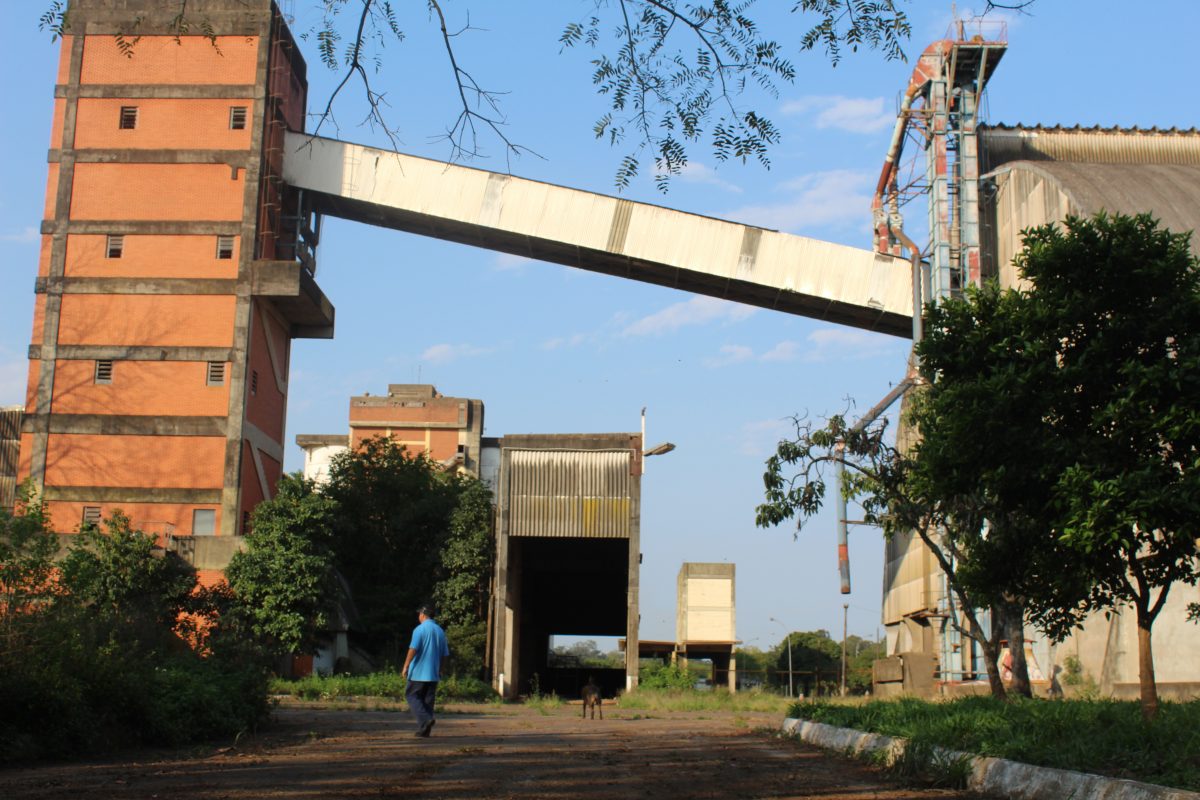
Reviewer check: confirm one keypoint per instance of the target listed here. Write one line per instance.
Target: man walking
(422, 668)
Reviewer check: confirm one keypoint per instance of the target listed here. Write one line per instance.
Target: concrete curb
(995, 777)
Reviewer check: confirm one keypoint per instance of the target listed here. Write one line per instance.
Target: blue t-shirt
(429, 640)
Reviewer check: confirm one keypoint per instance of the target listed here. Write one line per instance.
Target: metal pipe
(839, 465)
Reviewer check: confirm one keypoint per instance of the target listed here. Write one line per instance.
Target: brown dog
(591, 699)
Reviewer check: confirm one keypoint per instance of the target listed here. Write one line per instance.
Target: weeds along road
(479, 752)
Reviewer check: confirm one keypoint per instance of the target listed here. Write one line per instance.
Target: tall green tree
(884, 480)
(284, 580)
(463, 589)
(1119, 298)
(392, 524)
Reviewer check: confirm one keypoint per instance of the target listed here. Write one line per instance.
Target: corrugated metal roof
(1001, 144)
(569, 493)
(1170, 192)
(10, 448)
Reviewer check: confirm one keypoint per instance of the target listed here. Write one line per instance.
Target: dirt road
(479, 753)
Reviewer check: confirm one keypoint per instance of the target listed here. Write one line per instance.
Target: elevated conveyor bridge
(600, 233)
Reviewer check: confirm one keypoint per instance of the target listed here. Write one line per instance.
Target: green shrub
(666, 676)
(385, 684)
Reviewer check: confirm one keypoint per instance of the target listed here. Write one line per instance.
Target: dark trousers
(421, 695)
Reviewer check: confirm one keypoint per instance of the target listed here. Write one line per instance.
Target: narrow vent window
(204, 522)
(216, 373)
(129, 118)
(224, 247)
(254, 381)
(237, 118)
(114, 247)
(104, 371)
(91, 516)
(245, 523)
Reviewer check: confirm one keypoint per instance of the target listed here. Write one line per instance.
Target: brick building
(447, 429)
(175, 270)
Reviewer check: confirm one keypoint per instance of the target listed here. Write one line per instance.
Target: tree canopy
(1055, 469)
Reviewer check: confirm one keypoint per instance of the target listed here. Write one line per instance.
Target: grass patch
(1101, 736)
(379, 684)
(651, 699)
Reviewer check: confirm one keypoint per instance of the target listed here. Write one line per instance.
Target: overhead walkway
(603, 234)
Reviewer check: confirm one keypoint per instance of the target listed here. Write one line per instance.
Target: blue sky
(553, 349)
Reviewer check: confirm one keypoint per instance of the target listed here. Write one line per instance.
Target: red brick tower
(175, 267)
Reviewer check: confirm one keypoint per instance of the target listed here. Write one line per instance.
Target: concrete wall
(705, 604)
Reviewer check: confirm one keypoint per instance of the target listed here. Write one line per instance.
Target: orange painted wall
(185, 192)
(64, 60)
(56, 123)
(432, 411)
(39, 317)
(167, 320)
(44, 256)
(161, 123)
(155, 462)
(443, 444)
(252, 493)
(156, 518)
(150, 257)
(35, 368)
(156, 388)
(265, 408)
(48, 209)
(163, 59)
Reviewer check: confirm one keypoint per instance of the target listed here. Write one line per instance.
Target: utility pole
(789, 647)
(845, 612)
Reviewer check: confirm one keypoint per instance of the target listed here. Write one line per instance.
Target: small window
(204, 522)
(245, 523)
(115, 246)
(253, 381)
(224, 247)
(91, 516)
(237, 118)
(129, 115)
(104, 371)
(216, 373)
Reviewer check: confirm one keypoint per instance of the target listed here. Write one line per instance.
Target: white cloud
(784, 351)
(695, 172)
(445, 353)
(853, 114)
(506, 262)
(831, 198)
(24, 236)
(846, 344)
(697, 311)
(730, 354)
(821, 346)
(560, 342)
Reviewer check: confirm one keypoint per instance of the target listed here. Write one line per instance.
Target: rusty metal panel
(569, 493)
(1001, 144)
(10, 448)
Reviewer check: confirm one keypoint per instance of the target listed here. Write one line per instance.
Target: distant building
(447, 429)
